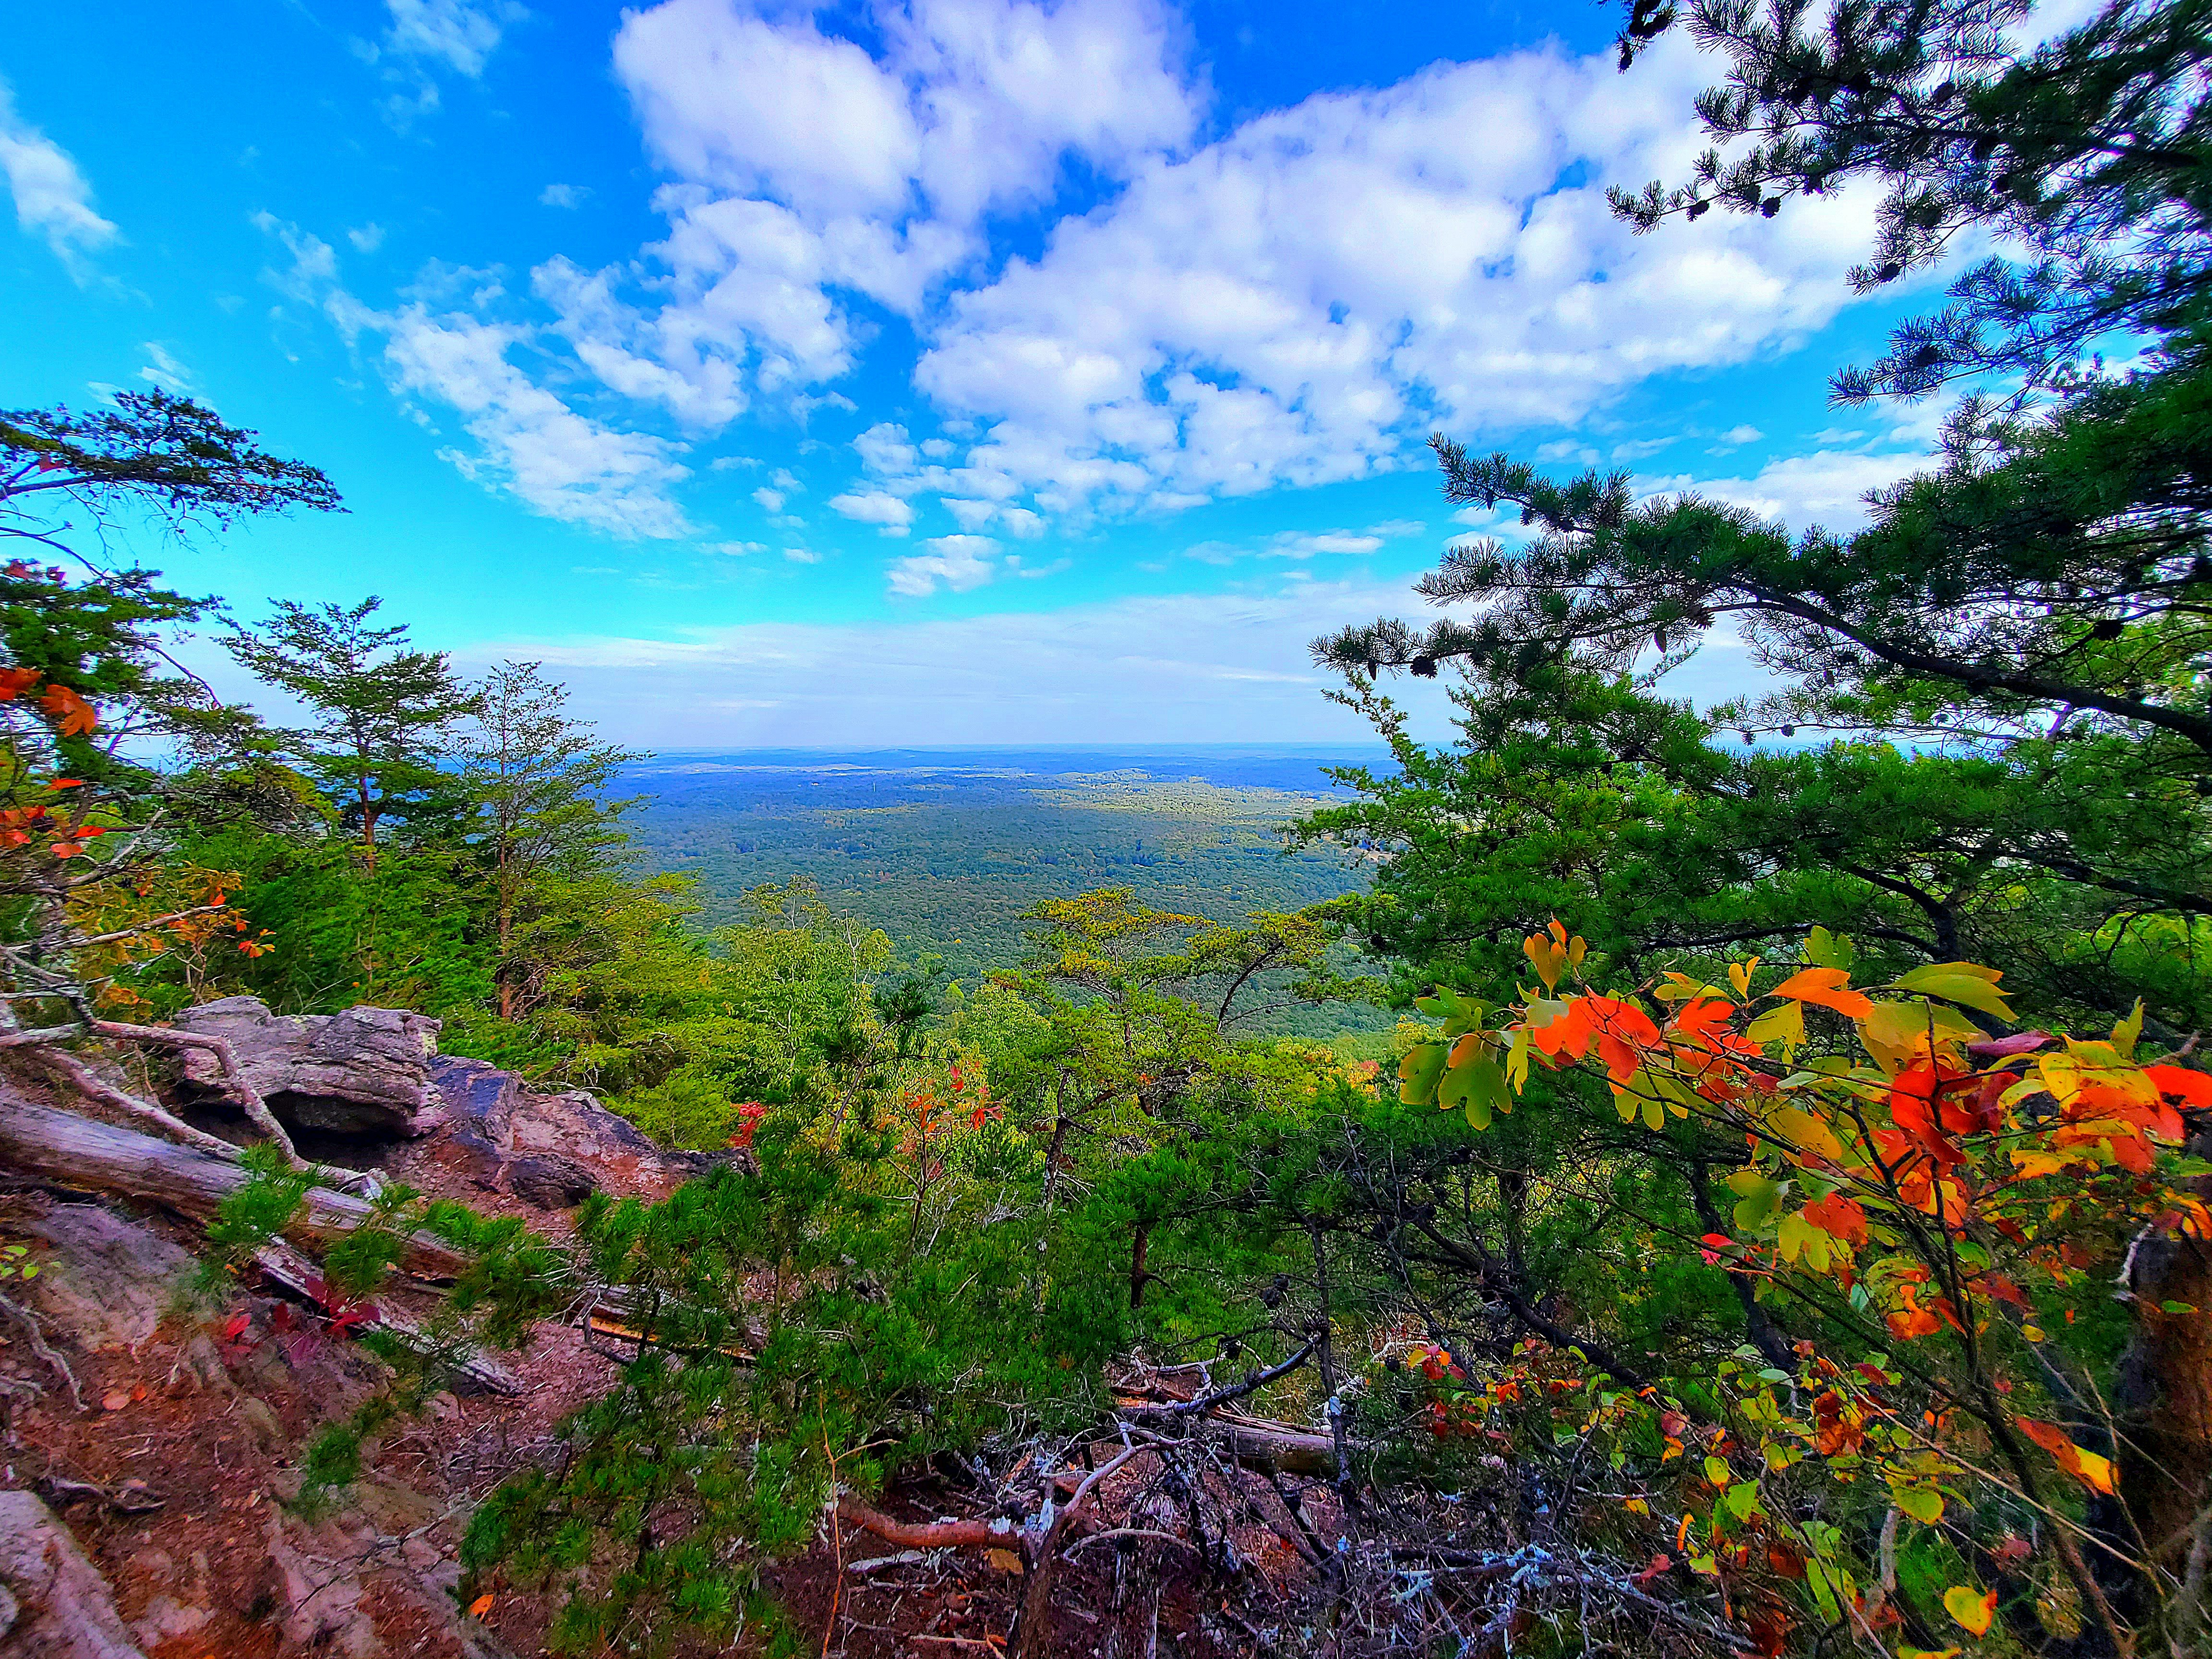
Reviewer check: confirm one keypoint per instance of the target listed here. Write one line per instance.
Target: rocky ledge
(369, 1087)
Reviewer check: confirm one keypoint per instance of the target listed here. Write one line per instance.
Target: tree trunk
(78, 1152)
(2162, 1396)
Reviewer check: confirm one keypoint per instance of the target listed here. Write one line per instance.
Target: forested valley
(1699, 1181)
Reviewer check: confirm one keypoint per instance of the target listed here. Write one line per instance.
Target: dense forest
(947, 854)
(1777, 1223)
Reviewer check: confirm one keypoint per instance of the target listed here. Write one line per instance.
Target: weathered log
(287, 1268)
(78, 1153)
(1250, 1440)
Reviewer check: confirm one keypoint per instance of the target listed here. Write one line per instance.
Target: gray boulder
(365, 1071)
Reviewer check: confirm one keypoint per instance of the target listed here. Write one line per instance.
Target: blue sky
(934, 370)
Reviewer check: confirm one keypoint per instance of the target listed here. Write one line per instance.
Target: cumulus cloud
(52, 199)
(1827, 487)
(957, 562)
(876, 507)
(804, 169)
(562, 196)
(531, 443)
(1225, 327)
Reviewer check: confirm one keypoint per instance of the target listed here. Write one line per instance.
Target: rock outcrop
(375, 1076)
(56, 1603)
(365, 1071)
(551, 1149)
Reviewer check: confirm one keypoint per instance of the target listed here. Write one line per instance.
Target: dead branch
(242, 1091)
(293, 1272)
(928, 1535)
(82, 1077)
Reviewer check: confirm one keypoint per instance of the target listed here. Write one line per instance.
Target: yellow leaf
(1739, 976)
(1923, 1504)
(1972, 1611)
(1004, 1560)
(1806, 1132)
(1784, 1023)
(2095, 1470)
(1895, 1033)
(1958, 981)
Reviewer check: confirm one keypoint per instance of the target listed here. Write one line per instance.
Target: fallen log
(93, 1156)
(289, 1270)
(1250, 1440)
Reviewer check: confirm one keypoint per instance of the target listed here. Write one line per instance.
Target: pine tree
(381, 710)
(539, 778)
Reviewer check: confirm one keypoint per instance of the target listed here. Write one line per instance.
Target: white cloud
(1827, 487)
(563, 465)
(875, 507)
(562, 196)
(460, 33)
(771, 500)
(165, 371)
(531, 443)
(1303, 544)
(806, 169)
(802, 556)
(738, 550)
(51, 198)
(366, 239)
(1226, 325)
(959, 563)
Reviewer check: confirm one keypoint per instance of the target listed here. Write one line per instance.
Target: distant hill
(944, 848)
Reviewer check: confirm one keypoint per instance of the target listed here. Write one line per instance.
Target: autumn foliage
(1911, 1178)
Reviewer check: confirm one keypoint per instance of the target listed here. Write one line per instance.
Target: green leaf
(1826, 949)
(1419, 1074)
(2125, 1032)
(1477, 1088)
(1783, 1023)
(1760, 1197)
(1741, 1500)
(1962, 983)
(1718, 1471)
(1923, 1504)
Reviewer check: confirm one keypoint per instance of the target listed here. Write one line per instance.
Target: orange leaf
(73, 716)
(2179, 1083)
(17, 680)
(1840, 1217)
(480, 1606)
(1829, 987)
(1623, 1031)
(2085, 1466)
